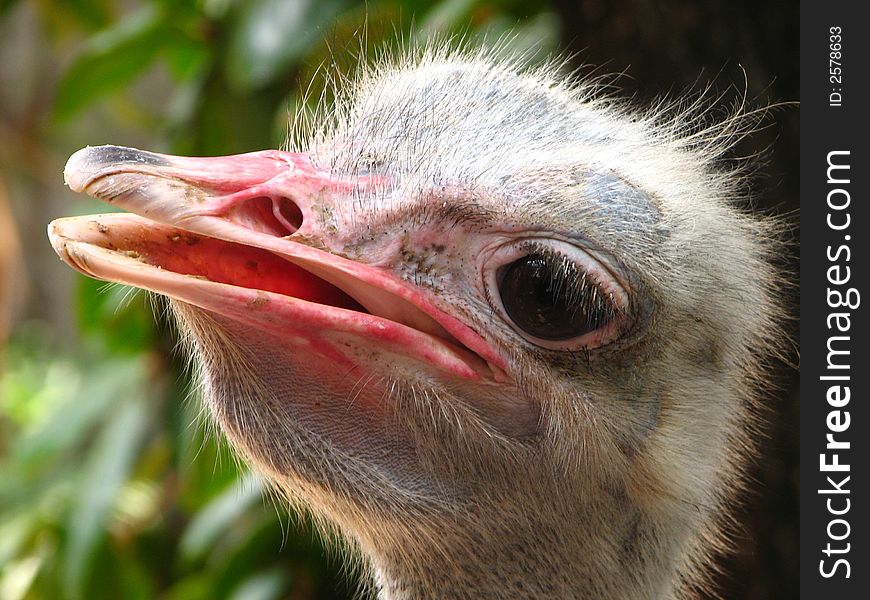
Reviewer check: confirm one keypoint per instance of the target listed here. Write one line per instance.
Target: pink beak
(238, 236)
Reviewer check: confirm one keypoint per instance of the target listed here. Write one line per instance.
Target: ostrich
(502, 334)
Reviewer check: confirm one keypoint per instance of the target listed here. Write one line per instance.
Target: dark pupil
(541, 302)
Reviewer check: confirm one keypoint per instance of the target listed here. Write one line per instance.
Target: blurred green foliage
(111, 483)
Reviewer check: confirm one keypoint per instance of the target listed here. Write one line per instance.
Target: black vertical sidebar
(835, 371)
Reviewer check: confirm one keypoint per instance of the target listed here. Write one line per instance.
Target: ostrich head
(500, 333)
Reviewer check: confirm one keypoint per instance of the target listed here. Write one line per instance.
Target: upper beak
(244, 236)
(175, 189)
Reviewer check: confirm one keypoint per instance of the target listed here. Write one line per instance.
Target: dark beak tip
(90, 162)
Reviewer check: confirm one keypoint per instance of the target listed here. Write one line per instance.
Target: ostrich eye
(539, 300)
(558, 296)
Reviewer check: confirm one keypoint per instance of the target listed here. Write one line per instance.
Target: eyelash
(596, 296)
(580, 282)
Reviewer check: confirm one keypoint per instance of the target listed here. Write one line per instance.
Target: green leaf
(272, 34)
(186, 58)
(14, 531)
(218, 516)
(74, 420)
(136, 580)
(245, 549)
(93, 13)
(266, 585)
(6, 5)
(110, 59)
(117, 315)
(110, 463)
(537, 36)
(194, 587)
(446, 15)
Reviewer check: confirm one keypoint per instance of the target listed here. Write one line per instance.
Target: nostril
(276, 216)
(287, 213)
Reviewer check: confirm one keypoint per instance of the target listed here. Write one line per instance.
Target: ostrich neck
(597, 553)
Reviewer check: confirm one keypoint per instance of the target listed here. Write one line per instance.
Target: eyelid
(603, 274)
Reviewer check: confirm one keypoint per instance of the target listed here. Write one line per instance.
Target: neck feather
(602, 551)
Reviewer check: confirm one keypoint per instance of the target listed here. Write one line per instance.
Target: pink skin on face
(220, 233)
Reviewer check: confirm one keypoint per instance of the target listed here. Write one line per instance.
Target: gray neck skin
(602, 553)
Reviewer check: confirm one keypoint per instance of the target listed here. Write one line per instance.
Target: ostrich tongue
(238, 235)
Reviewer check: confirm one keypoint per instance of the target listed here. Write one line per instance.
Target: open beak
(244, 236)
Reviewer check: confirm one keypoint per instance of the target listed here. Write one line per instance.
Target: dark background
(107, 490)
